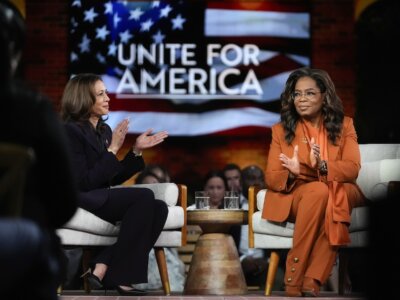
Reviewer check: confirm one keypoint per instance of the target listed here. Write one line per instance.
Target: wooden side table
(215, 268)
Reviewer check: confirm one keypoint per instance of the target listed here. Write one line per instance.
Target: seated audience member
(252, 176)
(214, 183)
(147, 176)
(161, 172)
(176, 268)
(233, 177)
(32, 262)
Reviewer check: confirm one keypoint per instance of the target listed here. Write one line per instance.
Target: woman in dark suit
(94, 147)
(312, 167)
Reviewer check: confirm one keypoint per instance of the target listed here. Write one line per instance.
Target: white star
(118, 71)
(112, 49)
(101, 58)
(158, 37)
(101, 33)
(116, 20)
(125, 36)
(77, 3)
(90, 15)
(135, 14)
(145, 26)
(108, 8)
(73, 56)
(155, 4)
(165, 11)
(84, 45)
(177, 23)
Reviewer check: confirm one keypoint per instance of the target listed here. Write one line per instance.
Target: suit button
(289, 279)
(296, 259)
(292, 270)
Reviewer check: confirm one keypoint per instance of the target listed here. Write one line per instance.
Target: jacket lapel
(301, 140)
(91, 137)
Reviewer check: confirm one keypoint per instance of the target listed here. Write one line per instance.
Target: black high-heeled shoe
(94, 281)
(131, 292)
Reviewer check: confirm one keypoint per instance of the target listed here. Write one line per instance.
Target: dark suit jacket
(29, 119)
(95, 168)
(343, 166)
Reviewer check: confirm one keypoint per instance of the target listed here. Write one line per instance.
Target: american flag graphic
(191, 67)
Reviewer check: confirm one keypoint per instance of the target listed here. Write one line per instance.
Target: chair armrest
(253, 190)
(182, 201)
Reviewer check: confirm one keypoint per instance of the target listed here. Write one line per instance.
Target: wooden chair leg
(343, 264)
(162, 268)
(272, 268)
(86, 255)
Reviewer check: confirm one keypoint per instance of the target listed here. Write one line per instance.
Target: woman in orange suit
(312, 167)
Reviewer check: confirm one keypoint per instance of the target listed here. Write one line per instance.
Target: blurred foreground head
(12, 39)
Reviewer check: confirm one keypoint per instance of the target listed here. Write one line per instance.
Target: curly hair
(332, 108)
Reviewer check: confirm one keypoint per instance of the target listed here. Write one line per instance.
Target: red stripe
(246, 131)
(144, 105)
(259, 6)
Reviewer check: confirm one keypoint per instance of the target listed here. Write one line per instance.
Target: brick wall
(45, 65)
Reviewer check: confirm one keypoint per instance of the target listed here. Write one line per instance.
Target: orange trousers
(311, 254)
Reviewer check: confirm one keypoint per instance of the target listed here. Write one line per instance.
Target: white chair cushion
(374, 177)
(79, 238)
(374, 152)
(87, 222)
(167, 192)
(273, 228)
(265, 241)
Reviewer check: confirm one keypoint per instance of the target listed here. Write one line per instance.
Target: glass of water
(231, 200)
(202, 200)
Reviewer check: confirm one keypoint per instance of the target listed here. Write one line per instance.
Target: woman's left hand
(315, 157)
(147, 140)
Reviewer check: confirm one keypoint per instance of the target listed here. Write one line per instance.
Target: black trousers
(142, 220)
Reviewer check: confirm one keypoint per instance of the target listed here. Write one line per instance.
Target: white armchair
(380, 172)
(87, 230)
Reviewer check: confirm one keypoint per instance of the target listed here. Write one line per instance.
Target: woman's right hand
(118, 136)
(292, 164)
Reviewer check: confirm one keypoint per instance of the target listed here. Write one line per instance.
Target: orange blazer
(343, 166)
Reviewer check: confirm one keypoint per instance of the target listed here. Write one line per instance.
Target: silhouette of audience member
(50, 198)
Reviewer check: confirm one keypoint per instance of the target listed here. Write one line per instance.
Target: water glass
(231, 200)
(202, 200)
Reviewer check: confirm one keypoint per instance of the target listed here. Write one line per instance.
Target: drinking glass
(202, 200)
(231, 200)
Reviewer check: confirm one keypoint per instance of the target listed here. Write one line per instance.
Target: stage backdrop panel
(191, 67)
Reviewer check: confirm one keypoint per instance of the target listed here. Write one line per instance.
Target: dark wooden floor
(158, 295)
